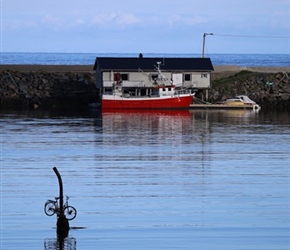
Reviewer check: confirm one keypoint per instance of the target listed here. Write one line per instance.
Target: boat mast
(161, 78)
(158, 68)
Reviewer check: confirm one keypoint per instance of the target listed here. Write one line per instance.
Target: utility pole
(202, 55)
(203, 43)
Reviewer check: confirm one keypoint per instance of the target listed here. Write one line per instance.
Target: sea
(247, 60)
(181, 180)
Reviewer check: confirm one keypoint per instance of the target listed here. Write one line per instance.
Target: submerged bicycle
(51, 207)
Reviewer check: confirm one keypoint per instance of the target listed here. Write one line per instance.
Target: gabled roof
(149, 64)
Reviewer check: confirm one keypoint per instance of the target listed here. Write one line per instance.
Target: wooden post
(62, 222)
(60, 190)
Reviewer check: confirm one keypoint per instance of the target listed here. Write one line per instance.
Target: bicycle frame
(57, 206)
(52, 207)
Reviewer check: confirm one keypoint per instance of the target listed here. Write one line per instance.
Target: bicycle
(51, 207)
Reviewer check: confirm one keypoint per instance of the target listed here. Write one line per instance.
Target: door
(177, 79)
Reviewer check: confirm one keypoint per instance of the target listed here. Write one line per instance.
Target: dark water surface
(152, 180)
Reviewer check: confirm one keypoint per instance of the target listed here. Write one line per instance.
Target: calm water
(278, 60)
(151, 180)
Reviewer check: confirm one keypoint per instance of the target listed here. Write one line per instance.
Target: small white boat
(242, 101)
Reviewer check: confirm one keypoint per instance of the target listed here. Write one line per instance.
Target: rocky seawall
(73, 86)
(47, 89)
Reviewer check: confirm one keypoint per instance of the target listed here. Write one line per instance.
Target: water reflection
(139, 121)
(178, 121)
(186, 132)
(68, 243)
(143, 133)
(192, 179)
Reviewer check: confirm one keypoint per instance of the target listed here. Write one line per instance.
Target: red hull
(148, 103)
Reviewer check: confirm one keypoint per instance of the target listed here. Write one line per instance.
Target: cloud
(115, 18)
(123, 19)
(79, 21)
(188, 20)
(127, 19)
(64, 22)
(52, 20)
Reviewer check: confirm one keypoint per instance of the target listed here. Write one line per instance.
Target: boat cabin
(139, 75)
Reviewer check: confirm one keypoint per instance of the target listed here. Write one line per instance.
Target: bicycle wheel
(70, 212)
(49, 208)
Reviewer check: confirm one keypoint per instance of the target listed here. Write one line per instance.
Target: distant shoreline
(89, 68)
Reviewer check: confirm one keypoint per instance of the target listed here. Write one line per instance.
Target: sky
(146, 26)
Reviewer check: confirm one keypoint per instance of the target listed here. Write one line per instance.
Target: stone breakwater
(73, 86)
(41, 89)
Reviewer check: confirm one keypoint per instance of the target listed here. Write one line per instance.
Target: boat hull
(166, 102)
(224, 106)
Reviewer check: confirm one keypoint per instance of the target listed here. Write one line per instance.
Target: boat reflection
(242, 113)
(152, 112)
(136, 121)
(171, 121)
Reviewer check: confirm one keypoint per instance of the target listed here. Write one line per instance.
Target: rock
(284, 97)
(46, 89)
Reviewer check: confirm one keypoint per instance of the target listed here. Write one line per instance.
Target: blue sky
(147, 26)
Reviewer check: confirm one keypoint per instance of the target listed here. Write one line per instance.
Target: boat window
(125, 76)
(187, 77)
(169, 89)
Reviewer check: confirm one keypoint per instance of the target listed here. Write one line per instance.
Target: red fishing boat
(163, 94)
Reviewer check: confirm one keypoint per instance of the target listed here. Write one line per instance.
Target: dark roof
(149, 63)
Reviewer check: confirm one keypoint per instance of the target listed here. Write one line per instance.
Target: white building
(141, 72)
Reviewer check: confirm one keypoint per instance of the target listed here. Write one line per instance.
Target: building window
(187, 77)
(125, 76)
(203, 75)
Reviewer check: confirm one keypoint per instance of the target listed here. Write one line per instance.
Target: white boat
(242, 101)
